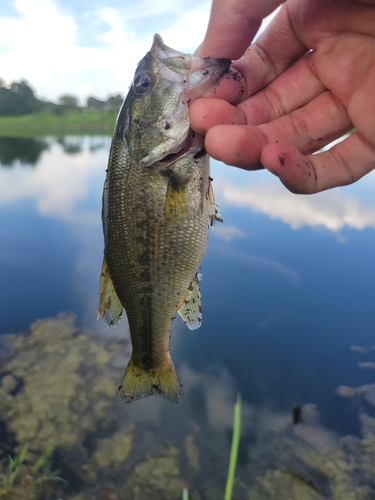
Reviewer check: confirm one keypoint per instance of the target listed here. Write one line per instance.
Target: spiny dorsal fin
(110, 307)
(213, 209)
(191, 309)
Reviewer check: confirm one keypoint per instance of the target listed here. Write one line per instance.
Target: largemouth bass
(158, 205)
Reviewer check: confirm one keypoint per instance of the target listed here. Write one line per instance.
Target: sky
(90, 47)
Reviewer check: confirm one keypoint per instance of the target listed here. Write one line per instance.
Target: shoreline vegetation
(75, 122)
(24, 115)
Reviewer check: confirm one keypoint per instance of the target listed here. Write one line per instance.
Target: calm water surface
(288, 282)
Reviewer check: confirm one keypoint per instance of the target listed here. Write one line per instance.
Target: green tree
(114, 102)
(93, 102)
(69, 101)
(18, 99)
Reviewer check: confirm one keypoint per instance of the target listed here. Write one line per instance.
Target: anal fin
(191, 309)
(110, 307)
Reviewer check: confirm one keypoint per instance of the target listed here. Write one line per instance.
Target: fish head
(154, 119)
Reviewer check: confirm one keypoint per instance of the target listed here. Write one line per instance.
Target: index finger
(233, 25)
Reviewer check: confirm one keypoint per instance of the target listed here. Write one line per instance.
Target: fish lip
(179, 66)
(162, 51)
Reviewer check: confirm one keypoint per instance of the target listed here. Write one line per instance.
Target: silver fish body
(157, 207)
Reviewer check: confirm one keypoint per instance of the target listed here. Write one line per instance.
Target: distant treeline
(18, 99)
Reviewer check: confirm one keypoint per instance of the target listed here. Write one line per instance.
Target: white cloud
(188, 32)
(34, 46)
(149, 8)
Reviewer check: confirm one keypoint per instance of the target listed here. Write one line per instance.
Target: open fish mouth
(191, 143)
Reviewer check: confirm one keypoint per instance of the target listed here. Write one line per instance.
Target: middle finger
(294, 88)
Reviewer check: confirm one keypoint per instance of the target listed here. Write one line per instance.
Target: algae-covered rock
(113, 452)
(53, 383)
(192, 453)
(157, 476)
(300, 470)
(284, 485)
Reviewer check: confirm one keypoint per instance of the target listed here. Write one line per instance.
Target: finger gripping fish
(158, 205)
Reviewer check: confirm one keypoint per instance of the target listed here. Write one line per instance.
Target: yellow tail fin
(138, 383)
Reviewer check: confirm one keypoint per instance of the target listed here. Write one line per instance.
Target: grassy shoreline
(82, 122)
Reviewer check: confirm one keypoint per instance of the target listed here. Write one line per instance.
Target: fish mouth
(172, 157)
(193, 144)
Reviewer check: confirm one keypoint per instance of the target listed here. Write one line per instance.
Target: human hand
(291, 102)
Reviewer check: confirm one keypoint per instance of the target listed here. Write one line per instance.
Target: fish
(158, 205)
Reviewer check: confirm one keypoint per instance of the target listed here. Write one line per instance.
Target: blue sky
(90, 47)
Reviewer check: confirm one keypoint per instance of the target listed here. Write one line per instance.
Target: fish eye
(143, 83)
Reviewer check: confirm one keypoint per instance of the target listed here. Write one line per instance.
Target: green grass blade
(42, 460)
(185, 494)
(21, 457)
(234, 449)
(51, 477)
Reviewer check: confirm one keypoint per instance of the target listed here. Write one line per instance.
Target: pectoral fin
(110, 307)
(213, 209)
(191, 309)
(176, 198)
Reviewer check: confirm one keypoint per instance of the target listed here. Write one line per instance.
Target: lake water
(288, 286)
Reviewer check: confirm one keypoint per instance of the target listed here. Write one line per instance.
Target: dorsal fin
(213, 209)
(110, 307)
(191, 309)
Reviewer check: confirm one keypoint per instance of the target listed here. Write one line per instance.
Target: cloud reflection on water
(259, 261)
(58, 184)
(229, 233)
(262, 193)
(208, 398)
(61, 182)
